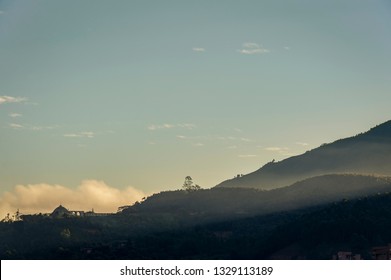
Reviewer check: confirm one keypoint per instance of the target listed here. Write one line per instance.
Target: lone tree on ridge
(189, 186)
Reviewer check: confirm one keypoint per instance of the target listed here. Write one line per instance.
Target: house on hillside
(62, 212)
(382, 253)
(346, 255)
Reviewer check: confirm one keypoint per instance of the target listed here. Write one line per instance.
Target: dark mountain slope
(366, 153)
(217, 203)
(312, 233)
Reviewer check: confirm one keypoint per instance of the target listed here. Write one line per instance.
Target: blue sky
(144, 93)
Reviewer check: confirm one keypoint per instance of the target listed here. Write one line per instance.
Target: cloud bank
(44, 198)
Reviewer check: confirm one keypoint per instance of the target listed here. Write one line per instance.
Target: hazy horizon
(116, 100)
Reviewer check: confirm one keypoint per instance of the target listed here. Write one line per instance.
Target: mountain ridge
(365, 153)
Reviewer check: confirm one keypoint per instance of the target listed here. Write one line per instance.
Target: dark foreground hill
(366, 153)
(310, 233)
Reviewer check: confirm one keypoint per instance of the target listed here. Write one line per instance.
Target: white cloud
(15, 115)
(88, 134)
(71, 135)
(287, 48)
(246, 139)
(247, 156)
(156, 127)
(274, 149)
(281, 150)
(44, 198)
(232, 147)
(1, 12)
(277, 149)
(85, 134)
(10, 99)
(39, 128)
(169, 126)
(16, 126)
(302, 144)
(252, 48)
(198, 49)
(186, 125)
(181, 137)
(224, 138)
(31, 127)
(198, 145)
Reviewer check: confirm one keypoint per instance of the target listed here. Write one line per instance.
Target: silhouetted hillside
(216, 203)
(311, 233)
(366, 153)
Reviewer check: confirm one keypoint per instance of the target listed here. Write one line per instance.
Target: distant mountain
(216, 203)
(366, 153)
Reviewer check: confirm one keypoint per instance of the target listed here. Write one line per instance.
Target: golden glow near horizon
(90, 194)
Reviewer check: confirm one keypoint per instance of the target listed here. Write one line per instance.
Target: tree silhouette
(7, 219)
(189, 186)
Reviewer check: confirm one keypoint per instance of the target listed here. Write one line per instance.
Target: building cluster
(346, 255)
(377, 253)
(382, 252)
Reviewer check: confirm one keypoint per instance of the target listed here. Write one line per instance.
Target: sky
(115, 100)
